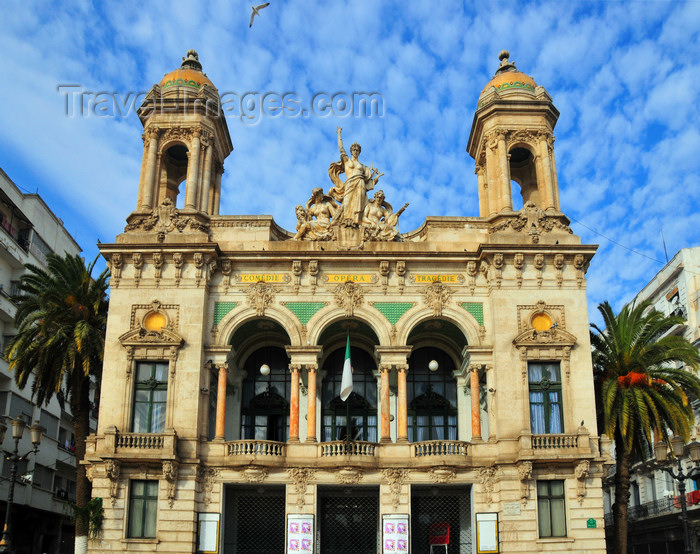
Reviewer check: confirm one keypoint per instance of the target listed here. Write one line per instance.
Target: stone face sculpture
(345, 213)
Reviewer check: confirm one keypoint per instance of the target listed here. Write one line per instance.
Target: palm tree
(60, 319)
(640, 388)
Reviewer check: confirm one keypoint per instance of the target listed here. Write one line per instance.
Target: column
(149, 178)
(294, 404)
(221, 403)
(311, 407)
(505, 197)
(403, 406)
(492, 180)
(476, 404)
(385, 407)
(216, 196)
(547, 189)
(206, 179)
(483, 192)
(193, 172)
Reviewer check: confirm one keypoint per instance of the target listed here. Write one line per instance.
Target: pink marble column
(476, 403)
(311, 407)
(294, 405)
(384, 406)
(221, 403)
(403, 406)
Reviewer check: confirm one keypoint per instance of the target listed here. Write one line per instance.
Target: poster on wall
(394, 533)
(300, 533)
(207, 533)
(487, 533)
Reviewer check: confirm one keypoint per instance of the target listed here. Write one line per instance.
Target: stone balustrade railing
(140, 440)
(255, 448)
(344, 448)
(439, 448)
(545, 442)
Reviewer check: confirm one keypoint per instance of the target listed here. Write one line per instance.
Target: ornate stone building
(222, 426)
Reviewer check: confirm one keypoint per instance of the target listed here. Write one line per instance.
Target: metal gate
(254, 520)
(441, 516)
(348, 520)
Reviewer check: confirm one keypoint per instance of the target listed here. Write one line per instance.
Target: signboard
(266, 277)
(591, 523)
(300, 533)
(487, 533)
(355, 278)
(208, 533)
(511, 508)
(431, 277)
(395, 537)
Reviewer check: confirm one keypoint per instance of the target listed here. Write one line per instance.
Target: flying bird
(256, 11)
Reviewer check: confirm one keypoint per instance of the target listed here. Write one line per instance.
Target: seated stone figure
(379, 220)
(320, 207)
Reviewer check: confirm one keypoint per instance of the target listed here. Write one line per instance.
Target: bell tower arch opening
(173, 172)
(523, 173)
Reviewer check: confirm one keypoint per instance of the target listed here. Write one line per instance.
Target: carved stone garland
(581, 473)
(112, 470)
(170, 470)
(488, 479)
(260, 296)
(206, 476)
(437, 296)
(301, 477)
(525, 473)
(442, 474)
(254, 474)
(348, 296)
(349, 475)
(396, 479)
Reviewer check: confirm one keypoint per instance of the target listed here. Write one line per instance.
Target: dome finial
(506, 65)
(191, 61)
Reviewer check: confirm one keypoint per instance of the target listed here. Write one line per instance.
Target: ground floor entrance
(348, 520)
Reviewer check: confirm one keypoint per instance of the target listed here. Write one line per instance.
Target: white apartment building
(40, 518)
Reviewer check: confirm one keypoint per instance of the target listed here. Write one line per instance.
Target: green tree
(61, 319)
(640, 388)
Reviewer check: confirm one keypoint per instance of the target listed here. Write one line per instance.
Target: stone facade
(447, 324)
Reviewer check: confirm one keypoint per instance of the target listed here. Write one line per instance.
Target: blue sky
(624, 76)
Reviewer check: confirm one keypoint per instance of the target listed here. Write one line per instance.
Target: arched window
(362, 401)
(265, 402)
(431, 396)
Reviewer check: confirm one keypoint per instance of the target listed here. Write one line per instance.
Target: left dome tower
(186, 140)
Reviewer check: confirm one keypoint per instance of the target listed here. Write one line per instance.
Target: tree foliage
(645, 381)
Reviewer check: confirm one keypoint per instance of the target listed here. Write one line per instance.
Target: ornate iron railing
(439, 448)
(255, 448)
(344, 448)
(540, 442)
(140, 440)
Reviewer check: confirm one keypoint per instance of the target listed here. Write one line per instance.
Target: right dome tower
(512, 140)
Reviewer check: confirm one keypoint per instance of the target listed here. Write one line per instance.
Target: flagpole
(346, 391)
(347, 425)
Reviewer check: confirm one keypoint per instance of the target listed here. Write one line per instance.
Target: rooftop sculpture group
(346, 208)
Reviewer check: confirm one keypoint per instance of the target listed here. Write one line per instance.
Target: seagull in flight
(256, 11)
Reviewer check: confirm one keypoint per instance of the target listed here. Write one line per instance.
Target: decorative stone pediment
(532, 337)
(138, 337)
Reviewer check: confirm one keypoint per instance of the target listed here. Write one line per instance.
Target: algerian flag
(346, 382)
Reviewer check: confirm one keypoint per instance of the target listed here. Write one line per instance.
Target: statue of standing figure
(358, 180)
(345, 214)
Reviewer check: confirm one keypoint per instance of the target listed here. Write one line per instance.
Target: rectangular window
(143, 505)
(551, 509)
(545, 398)
(19, 407)
(49, 423)
(150, 397)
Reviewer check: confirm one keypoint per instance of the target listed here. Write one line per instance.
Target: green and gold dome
(188, 75)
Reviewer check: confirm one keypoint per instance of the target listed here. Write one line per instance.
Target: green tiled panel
(393, 310)
(304, 310)
(221, 309)
(476, 309)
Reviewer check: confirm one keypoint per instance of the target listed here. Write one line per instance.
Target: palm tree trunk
(622, 494)
(83, 487)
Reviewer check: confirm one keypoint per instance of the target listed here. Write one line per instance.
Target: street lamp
(35, 431)
(677, 447)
